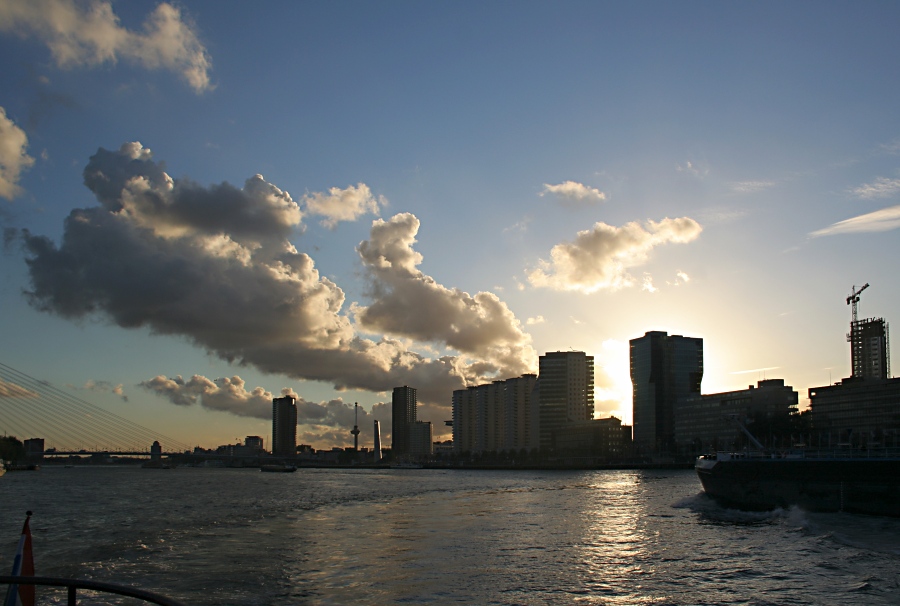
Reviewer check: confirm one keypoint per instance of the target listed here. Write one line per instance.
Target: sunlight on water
(428, 536)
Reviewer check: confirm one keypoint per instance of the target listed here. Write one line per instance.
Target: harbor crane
(853, 299)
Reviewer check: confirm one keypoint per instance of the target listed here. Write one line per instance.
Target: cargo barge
(853, 482)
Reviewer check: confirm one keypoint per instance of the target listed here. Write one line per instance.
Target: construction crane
(853, 299)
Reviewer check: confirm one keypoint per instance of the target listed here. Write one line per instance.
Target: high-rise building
(663, 369)
(497, 416)
(377, 444)
(489, 417)
(869, 356)
(518, 413)
(464, 419)
(403, 411)
(421, 439)
(284, 426)
(566, 392)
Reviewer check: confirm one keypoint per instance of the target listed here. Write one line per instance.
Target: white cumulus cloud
(13, 158)
(344, 204)
(573, 192)
(599, 258)
(89, 33)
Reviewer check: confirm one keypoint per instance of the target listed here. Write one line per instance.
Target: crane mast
(853, 299)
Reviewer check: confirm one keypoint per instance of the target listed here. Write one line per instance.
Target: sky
(209, 204)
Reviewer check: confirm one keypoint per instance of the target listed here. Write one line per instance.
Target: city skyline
(204, 210)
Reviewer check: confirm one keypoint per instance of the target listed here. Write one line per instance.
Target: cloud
(11, 390)
(881, 188)
(214, 265)
(13, 159)
(323, 424)
(754, 370)
(89, 34)
(598, 258)
(692, 169)
(408, 303)
(535, 320)
(103, 387)
(648, 284)
(344, 204)
(749, 187)
(572, 192)
(885, 219)
(225, 394)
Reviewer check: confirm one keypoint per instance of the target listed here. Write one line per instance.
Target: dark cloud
(411, 304)
(214, 265)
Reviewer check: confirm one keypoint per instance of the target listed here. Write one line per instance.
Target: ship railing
(808, 453)
(73, 585)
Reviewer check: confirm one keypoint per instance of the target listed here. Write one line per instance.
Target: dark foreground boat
(855, 483)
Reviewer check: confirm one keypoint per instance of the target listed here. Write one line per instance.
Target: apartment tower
(566, 393)
(403, 411)
(284, 426)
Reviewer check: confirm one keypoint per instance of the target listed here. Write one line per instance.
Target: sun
(612, 381)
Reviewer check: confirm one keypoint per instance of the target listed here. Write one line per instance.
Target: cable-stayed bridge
(32, 408)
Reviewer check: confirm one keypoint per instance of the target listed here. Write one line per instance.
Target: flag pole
(23, 565)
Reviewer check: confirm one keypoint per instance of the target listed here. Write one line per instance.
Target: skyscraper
(566, 392)
(869, 356)
(403, 411)
(284, 426)
(663, 369)
(377, 430)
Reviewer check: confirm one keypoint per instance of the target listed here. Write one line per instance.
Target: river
(233, 536)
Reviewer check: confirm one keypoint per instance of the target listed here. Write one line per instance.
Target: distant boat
(278, 468)
(24, 467)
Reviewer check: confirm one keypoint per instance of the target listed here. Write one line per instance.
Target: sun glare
(612, 391)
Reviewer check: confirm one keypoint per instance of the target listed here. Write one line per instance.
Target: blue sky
(445, 191)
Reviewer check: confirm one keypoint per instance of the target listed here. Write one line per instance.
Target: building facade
(857, 413)
(377, 445)
(705, 423)
(284, 426)
(664, 368)
(566, 393)
(602, 439)
(869, 358)
(421, 439)
(520, 413)
(403, 415)
(495, 417)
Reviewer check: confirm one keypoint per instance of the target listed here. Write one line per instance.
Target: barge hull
(869, 486)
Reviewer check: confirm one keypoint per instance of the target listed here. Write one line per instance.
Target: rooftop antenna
(355, 431)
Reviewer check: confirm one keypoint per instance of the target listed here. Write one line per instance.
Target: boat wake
(711, 512)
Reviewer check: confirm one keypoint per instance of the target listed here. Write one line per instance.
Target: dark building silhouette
(703, 423)
(403, 411)
(859, 413)
(663, 369)
(566, 393)
(155, 451)
(284, 426)
(869, 357)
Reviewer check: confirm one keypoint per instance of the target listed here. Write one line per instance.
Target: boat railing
(808, 453)
(73, 585)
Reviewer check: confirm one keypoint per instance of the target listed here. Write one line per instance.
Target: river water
(232, 536)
